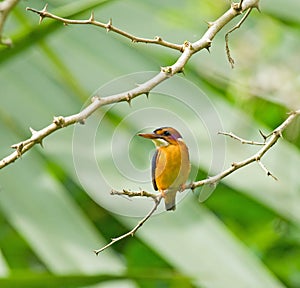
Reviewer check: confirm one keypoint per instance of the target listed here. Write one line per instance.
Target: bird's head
(163, 136)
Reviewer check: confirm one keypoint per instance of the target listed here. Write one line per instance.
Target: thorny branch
(237, 6)
(243, 141)
(5, 8)
(108, 26)
(188, 50)
(269, 141)
(157, 200)
(134, 194)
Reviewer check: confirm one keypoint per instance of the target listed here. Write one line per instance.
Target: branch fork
(269, 141)
(156, 198)
(187, 50)
(107, 26)
(239, 8)
(259, 154)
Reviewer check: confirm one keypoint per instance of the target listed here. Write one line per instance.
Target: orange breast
(172, 166)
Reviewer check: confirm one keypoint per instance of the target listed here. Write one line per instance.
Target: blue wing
(154, 159)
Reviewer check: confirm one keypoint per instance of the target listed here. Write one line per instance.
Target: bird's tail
(170, 200)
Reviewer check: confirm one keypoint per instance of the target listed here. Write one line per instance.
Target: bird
(170, 163)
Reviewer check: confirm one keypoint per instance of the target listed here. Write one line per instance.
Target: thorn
(167, 70)
(42, 13)
(81, 121)
(192, 187)
(237, 7)
(209, 23)
(265, 136)
(291, 112)
(19, 148)
(45, 8)
(262, 135)
(158, 39)
(128, 99)
(256, 5)
(32, 130)
(270, 174)
(182, 71)
(187, 44)
(266, 170)
(147, 94)
(108, 25)
(59, 121)
(92, 17)
(277, 133)
(240, 4)
(208, 45)
(95, 98)
(39, 141)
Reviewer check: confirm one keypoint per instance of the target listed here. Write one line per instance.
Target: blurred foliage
(246, 234)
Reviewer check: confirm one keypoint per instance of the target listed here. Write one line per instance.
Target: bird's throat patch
(160, 142)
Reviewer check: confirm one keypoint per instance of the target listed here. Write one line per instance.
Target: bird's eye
(166, 133)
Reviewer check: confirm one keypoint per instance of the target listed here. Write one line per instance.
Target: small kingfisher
(170, 163)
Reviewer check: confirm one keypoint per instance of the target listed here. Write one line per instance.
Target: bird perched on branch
(170, 163)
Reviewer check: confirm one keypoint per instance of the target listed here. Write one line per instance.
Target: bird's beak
(157, 139)
(148, 135)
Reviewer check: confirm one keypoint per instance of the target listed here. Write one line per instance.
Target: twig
(108, 26)
(240, 7)
(243, 141)
(266, 170)
(274, 136)
(157, 200)
(270, 141)
(230, 59)
(240, 4)
(134, 194)
(5, 8)
(188, 49)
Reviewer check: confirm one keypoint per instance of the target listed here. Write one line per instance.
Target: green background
(246, 234)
